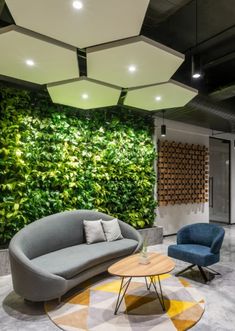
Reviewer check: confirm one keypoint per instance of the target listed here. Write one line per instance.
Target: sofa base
(72, 284)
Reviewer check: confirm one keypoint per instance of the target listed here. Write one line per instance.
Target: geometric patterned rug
(92, 308)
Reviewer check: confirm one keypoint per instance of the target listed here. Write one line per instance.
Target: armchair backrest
(204, 234)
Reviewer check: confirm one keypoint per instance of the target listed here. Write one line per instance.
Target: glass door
(219, 180)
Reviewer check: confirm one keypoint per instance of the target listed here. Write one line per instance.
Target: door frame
(229, 184)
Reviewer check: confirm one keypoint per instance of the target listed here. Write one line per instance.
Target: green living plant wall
(55, 158)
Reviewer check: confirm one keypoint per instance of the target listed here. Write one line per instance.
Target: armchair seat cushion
(192, 253)
(70, 261)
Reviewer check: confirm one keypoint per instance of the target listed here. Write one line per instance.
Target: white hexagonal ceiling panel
(156, 97)
(30, 57)
(133, 62)
(81, 23)
(84, 93)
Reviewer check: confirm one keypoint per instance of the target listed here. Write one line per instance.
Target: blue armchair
(198, 244)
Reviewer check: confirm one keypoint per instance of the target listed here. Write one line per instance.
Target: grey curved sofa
(50, 256)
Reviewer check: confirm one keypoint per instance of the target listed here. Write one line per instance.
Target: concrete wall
(173, 217)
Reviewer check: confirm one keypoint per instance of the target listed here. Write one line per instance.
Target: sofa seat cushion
(70, 261)
(195, 254)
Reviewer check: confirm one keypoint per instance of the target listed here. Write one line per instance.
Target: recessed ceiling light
(158, 98)
(132, 68)
(85, 96)
(30, 63)
(77, 5)
(196, 75)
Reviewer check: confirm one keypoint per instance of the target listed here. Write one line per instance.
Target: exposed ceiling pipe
(207, 105)
(223, 93)
(219, 60)
(211, 41)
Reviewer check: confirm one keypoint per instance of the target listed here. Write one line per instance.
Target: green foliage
(55, 158)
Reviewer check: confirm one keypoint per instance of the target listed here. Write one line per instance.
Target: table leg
(148, 285)
(161, 300)
(120, 298)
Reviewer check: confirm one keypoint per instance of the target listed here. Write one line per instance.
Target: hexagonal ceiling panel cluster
(133, 62)
(84, 93)
(44, 51)
(161, 96)
(34, 58)
(81, 23)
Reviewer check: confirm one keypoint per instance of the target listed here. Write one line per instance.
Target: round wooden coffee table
(130, 267)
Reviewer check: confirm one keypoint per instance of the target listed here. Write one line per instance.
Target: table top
(130, 266)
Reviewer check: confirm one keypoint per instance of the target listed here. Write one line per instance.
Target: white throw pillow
(112, 230)
(94, 231)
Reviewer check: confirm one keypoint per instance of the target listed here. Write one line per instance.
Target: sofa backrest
(54, 232)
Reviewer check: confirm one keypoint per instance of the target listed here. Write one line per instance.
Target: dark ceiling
(204, 29)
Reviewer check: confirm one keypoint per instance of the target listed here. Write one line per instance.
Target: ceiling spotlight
(77, 5)
(158, 98)
(196, 67)
(196, 75)
(132, 68)
(163, 126)
(30, 63)
(85, 96)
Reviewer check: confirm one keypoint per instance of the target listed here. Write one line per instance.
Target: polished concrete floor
(16, 315)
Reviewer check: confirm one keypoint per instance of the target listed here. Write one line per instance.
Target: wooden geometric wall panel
(182, 173)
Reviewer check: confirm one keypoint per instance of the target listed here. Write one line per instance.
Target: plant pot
(4, 262)
(153, 235)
